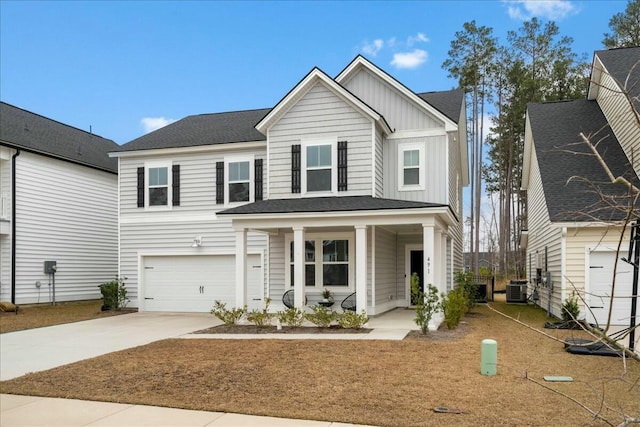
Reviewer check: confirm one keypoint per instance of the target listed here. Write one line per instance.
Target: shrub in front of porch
(427, 303)
(321, 316)
(291, 317)
(228, 317)
(352, 320)
(261, 318)
(454, 307)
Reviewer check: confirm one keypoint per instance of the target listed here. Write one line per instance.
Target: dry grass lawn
(39, 315)
(386, 383)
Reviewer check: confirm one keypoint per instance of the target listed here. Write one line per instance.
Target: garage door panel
(600, 280)
(193, 283)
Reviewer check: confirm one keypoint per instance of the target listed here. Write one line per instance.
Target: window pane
(157, 176)
(411, 176)
(158, 196)
(310, 251)
(319, 180)
(239, 171)
(335, 250)
(309, 275)
(239, 192)
(318, 155)
(335, 275)
(412, 158)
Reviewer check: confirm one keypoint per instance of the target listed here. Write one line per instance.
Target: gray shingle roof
(29, 131)
(555, 128)
(619, 63)
(203, 129)
(448, 102)
(326, 204)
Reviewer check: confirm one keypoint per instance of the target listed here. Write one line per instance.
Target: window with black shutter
(342, 165)
(141, 187)
(220, 183)
(175, 185)
(258, 179)
(295, 168)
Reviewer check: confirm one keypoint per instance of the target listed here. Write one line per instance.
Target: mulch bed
(253, 329)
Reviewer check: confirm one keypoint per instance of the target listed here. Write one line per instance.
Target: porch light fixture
(197, 242)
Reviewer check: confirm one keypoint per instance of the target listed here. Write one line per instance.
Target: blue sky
(123, 68)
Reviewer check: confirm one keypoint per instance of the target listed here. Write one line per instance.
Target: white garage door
(192, 283)
(600, 279)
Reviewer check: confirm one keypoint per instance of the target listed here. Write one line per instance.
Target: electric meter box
(50, 267)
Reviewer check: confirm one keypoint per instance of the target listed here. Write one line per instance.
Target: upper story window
(239, 181)
(319, 170)
(158, 186)
(411, 171)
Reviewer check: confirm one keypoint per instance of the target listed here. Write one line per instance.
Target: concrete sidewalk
(27, 411)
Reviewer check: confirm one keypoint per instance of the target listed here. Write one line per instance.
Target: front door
(416, 265)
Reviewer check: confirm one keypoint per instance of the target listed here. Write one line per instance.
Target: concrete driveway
(45, 348)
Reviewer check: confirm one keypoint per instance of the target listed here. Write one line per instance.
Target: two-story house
(59, 207)
(349, 183)
(576, 214)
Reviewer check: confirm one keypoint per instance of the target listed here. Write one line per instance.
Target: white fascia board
(194, 149)
(528, 153)
(360, 61)
(463, 144)
(317, 75)
(417, 133)
(340, 219)
(596, 76)
(586, 224)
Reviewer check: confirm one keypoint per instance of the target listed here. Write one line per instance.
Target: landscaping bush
(291, 317)
(427, 304)
(228, 317)
(570, 309)
(465, 280)
(114, 294)
(352, 320)
(261, 318)
(321, 316)
(454, 307)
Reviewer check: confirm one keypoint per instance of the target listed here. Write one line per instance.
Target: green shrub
(427, 304)
(352, 320)
(291, 317)
(321, 316)
(228, 317)
(261, 318)
(454, 307)
(465, 280)
(570, 309)
(114, 294)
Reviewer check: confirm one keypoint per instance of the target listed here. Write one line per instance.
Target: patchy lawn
(39, 315)
(388, 383)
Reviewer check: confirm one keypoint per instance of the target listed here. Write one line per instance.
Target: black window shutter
(257, 176)
(220, 183)
(175, 185)
(295, 168)
(141, 187)
(342, 165)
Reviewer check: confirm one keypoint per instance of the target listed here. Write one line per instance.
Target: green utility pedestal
(489, 357)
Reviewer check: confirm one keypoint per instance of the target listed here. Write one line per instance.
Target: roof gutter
(13, 226)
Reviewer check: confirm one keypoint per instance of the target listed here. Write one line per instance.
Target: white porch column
(443, 264)
(361, 268)
(428, 237)
(436, 262)
(298, 267)
(241, 268)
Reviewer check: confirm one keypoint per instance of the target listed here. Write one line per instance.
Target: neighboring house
(572, 235)
(358, 170)
(59, 202)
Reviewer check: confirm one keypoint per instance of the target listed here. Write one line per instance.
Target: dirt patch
(252, 329)
(387, 383)
(40, 315)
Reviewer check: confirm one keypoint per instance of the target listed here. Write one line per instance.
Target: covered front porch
(371, 252)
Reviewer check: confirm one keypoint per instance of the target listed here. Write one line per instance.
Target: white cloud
(153, 123)
(549, 9)
(373, 48)
(409, 59)
(418, 38)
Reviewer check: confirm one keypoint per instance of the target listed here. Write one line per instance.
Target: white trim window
(329, 262)
(411, 171)
(319, 160)
(239, 180)
(158, 189)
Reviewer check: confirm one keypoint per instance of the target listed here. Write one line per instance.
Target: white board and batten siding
(385, 267)
(435, 169)
(320, 113)
(399, 112)
(66, 213)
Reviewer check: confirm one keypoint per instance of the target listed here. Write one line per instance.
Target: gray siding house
(349, 183)
(58, 202)
(573, 232)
